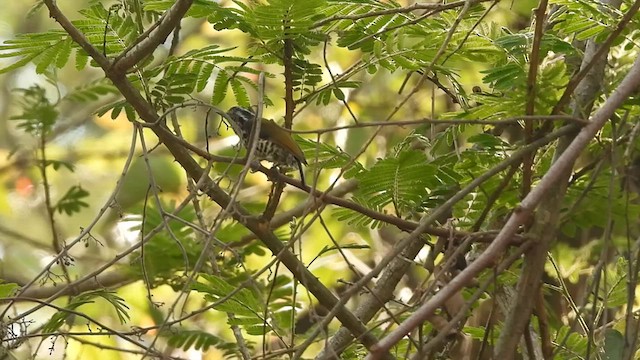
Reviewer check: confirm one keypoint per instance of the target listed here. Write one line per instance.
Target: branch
(401, 10)
(427, 220)
(287, 61)
(546, 220)
(519, 216)
(147, 42)
(101, 281)
(511, 120)
(79, 314)
(534, 60)
(604, 49)
(400, 223)
(214, 192)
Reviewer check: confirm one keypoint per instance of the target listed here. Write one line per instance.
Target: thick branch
(152, 38)
(519, 217)
(604, 49)
(193, 169)
(546, 220)
(427, 220)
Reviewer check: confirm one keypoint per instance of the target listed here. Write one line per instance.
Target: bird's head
(241, 120)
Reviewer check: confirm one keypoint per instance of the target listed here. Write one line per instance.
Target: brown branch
(519, 217)
(427, 220)
(604, 49)
(334, 197)
(213, 191)
(534, 60)
(146, 43)
(546, 222)
(463, 311)
(511, 120)
(376, 299)
(129, 339)
(543, 326)
(101, 281)
(547, 219)
(494, 197)
(274, 199)
(86, 231)
(287, 60)
(206, 155)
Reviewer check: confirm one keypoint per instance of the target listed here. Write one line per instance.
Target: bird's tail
(304, 184)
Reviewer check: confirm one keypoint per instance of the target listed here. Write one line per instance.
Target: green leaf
(199, 340)
(72, 202)
(18, 64)
(240, 93)
(488, 141)
(220, 87)
(204, 76)
(39, 114)
(326, 156)
(61, 317)
(614, 344)
(57, 164)
(505, 77)
(92, 91)
(402, 181)
(64, 52)
(243, 302)
(82, 58)
(8, 289)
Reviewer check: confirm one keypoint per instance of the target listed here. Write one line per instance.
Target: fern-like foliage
(39, 115)
(328, 157)
(196, 68)
(585, 19)
(199, 340)
(59, 318)
(171, 252)
(53, 48)
(43, 50)
(402, 181)
(91, 91)
(247, 310)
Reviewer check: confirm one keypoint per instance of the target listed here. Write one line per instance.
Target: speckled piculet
(275, 144)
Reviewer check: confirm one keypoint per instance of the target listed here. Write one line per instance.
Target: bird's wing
(282, 137)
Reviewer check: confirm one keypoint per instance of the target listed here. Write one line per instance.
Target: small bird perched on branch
(275, 144)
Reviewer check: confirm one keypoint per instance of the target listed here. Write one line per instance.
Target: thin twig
(534, 63)
(86, 231)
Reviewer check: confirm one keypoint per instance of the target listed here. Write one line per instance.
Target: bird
(275, 144)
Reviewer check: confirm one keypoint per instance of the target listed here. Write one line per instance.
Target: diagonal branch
(519, 217)
(604, 49)
(406, 247)
(147, 42)
(433, 7)
(213, 191)
(546, 219)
